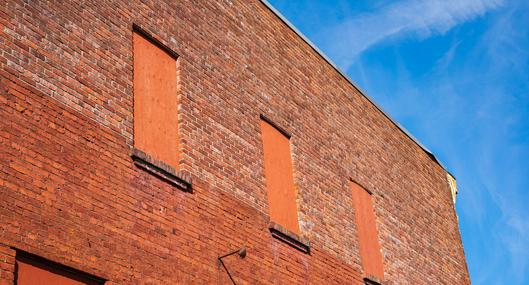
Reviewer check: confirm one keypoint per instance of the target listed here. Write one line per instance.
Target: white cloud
(419, 18)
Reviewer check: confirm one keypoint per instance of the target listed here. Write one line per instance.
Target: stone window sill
(298, 242)
(161, 170)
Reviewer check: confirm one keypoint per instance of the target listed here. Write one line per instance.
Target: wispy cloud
(443, 62)
(418, 18)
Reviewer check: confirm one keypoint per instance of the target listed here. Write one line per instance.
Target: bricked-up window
(370, 254)
(33, 270)
(155, 100)
(279, 177)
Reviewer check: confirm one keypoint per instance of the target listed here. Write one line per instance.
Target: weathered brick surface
(70, 192)
(7, 265)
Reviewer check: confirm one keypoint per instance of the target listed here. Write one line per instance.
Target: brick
(71, 192)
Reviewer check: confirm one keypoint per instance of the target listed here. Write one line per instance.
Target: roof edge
(346, 77)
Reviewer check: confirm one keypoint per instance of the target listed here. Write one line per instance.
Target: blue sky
(455, 73)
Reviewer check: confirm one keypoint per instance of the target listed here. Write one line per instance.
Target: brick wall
(71, 193)
(7, 265)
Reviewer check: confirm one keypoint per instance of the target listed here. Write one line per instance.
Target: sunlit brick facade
(92, 185)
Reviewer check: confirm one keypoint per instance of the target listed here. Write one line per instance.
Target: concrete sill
(298, 242)
(161, 170)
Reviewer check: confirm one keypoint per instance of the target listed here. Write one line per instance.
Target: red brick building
(141, 140)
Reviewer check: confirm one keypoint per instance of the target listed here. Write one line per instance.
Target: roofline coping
(362, 92)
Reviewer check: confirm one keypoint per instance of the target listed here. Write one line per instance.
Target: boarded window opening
(370, 254)
(155, 99)
(279, 177)
(34, 270)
